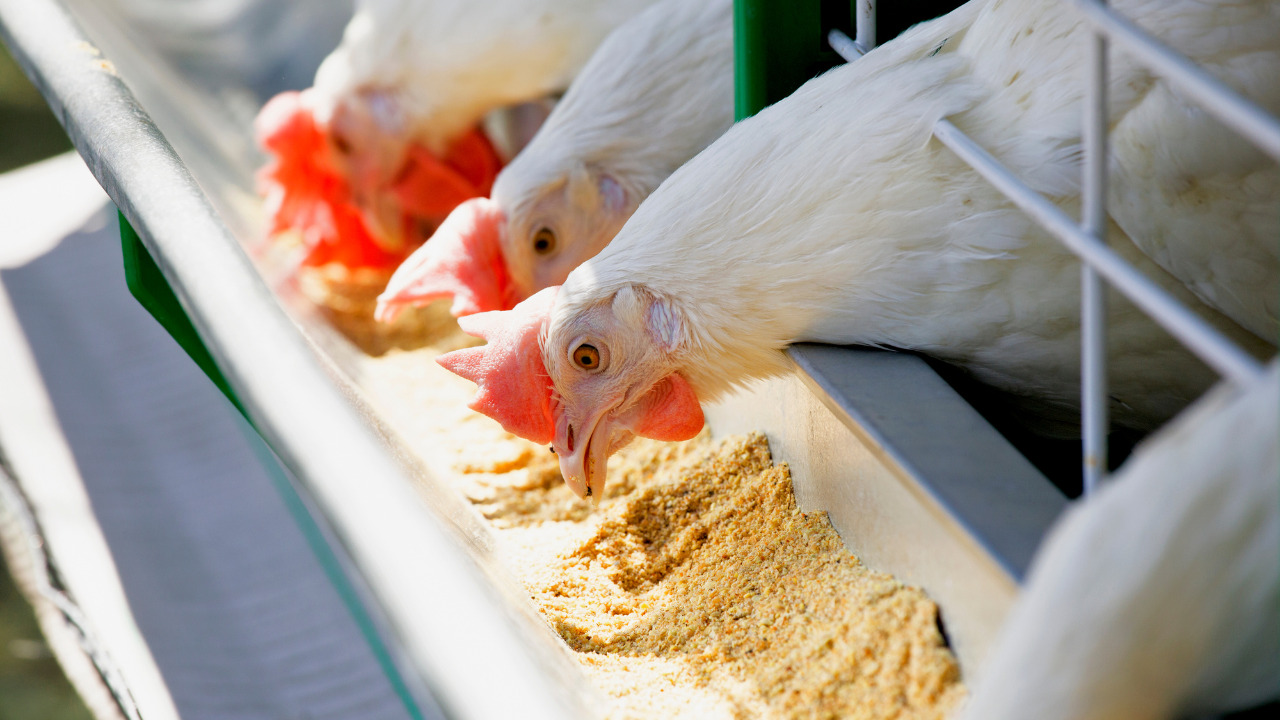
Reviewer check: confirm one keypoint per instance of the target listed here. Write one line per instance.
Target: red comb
(304, 193)
(462, 259)
(285, 122)
(514, 387)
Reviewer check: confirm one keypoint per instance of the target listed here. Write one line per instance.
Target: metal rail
(844, 45)
(1087, 239)
(865, 25)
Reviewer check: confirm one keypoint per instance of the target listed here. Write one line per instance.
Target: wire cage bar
(865, 25)
(1094, 419)
(1200, 337)
(846, 46)
(864, 28)
(1101, 265)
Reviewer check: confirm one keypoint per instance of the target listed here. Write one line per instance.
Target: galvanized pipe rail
(1087, 238)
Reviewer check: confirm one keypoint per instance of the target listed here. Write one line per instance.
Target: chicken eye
(587, 357)
(544, 241)
(341, 143)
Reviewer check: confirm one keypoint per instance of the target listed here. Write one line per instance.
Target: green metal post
(781, 44)
(778, 45)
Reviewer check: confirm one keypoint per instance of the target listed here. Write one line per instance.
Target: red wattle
(428, 187)
(669, 411)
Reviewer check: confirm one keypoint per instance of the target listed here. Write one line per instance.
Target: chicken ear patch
(513, 385)
(463, 260)
(669, 411)
(666, 325)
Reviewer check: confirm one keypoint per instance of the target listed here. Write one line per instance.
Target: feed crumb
(695, 588)
(347, 298)
(708, 578)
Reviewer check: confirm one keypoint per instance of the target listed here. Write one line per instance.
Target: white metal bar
(865, 26)
(844, 45)
(1094, 401)
(1200, 337)
(1220, 101)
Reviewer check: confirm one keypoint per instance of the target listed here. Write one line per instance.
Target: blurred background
(31, 682)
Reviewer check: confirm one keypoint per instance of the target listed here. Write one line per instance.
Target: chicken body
(833, 217)
(657, 91)
(431, 69)
(396, 107)
(1159, 596)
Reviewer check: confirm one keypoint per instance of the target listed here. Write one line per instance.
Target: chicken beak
(583, 452)
(667, 411)
(386, 221)
(462, 260)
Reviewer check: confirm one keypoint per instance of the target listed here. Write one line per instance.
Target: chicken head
(556, 223)
(355, 184)
(304, 193)
(490, 255)
(588, 383)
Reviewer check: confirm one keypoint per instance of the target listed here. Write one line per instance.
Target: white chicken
(1159, 596)
(387, 141)
(658, 91)
(833, 217)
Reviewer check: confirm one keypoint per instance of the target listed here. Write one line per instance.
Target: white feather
(1180, 178)
(657, 91)
(1158, 597)
(452, 61)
